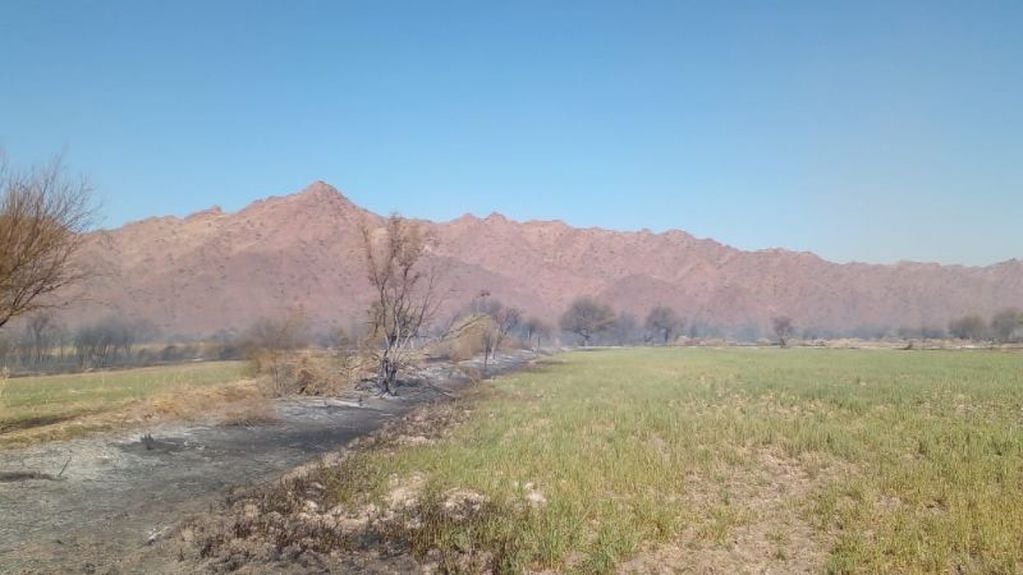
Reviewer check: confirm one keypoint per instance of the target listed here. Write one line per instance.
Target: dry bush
(302, 374)
(261, 362)
(272, 348)
(463, 340)
(469, 343)
(353, 365)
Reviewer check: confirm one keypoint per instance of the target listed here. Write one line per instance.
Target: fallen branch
(64, 468)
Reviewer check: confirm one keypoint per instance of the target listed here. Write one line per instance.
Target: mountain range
(215, 271)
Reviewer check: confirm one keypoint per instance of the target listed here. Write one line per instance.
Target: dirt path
(120, 494)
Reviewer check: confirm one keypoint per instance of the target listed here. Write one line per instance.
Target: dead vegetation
(300, 519)
(283, 363)
(304, 373)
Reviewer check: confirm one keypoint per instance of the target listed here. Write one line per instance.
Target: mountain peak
(319, 192)
(211, 212)
(319, 188)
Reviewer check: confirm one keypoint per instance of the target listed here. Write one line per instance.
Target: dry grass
(251, 412)
(190, 402)
(65, 406)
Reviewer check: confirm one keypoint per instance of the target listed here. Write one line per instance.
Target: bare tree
(783, 328)
(405, 294)
(1007, 325)
(43, 215)
(286, 333)
(971, 327)
(502, 320)
(100, 344)
(93, 345)
(270, 344)
(625, 329)
(534, 330)
(587, 317)
(41, 334)
(662, 323)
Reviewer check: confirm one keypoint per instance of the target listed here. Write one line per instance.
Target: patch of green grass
(29, 402)
(912, 462)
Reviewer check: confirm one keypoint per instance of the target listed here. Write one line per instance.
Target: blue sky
(860, 131)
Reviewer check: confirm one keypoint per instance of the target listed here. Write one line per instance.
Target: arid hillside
(214, 270)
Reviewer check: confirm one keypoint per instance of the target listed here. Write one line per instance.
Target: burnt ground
(119, 495)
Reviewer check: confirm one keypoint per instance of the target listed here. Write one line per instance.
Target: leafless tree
(43, 215)
(971, 327)
(534, 330)
(662, 323)
(41, 334)
(625, 329)
(1007, 325)
(783, 328)
(93, 345)
(501, 320)
(270, 344)
(286, 333)
(106, 342)
(405, 294)
(586, 317)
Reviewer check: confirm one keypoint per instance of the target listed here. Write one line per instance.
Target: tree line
(592, 321)
(40, 342)
(1005, 326)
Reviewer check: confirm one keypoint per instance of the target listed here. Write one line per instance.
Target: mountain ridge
(213, 270)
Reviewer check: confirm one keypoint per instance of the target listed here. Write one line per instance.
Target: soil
(106, 504)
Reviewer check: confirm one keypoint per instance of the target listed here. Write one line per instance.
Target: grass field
(65, 405)
(744, 460)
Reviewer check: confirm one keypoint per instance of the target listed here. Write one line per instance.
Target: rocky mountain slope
(214, 270)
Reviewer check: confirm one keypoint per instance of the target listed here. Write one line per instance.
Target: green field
(744, 460)
(28, 403)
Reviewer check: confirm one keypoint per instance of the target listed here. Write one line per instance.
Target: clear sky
(858, 130)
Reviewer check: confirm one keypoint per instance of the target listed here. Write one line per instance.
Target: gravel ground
(120, 494)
